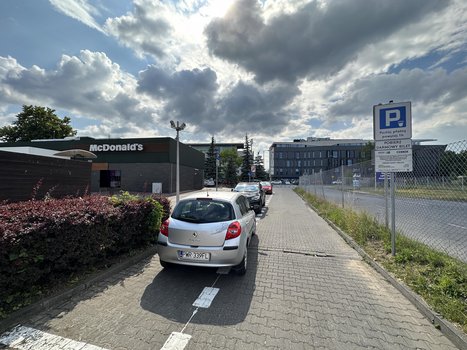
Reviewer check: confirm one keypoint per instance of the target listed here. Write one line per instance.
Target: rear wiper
(188, 219)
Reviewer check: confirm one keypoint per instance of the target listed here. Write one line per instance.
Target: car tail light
(165, 228)
(234, 230)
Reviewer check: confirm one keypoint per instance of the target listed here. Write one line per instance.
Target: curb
(42, 305)
(447, 328)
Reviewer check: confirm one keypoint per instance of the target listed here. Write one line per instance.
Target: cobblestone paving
(290, 298)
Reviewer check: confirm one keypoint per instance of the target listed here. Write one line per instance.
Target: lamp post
(178, 127)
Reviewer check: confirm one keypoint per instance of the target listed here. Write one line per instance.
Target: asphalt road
(305, 288)
(439, 224)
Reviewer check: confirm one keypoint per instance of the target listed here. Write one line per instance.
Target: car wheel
(258, 211)
(240, 269)
(165, 264)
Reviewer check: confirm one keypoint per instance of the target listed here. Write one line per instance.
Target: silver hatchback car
(211, 229)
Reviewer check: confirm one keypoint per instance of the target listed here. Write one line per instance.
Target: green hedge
(43, 243)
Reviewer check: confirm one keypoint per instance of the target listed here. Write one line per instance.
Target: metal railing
(431, 209)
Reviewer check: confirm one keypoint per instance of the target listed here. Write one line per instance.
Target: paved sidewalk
(305, 288)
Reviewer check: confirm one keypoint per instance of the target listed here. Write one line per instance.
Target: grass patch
(438, 278)
(444, 194)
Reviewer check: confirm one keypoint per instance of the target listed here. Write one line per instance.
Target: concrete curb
(447, 328)
(18, 316)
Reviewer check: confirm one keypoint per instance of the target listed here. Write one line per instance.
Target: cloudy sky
(273, 69)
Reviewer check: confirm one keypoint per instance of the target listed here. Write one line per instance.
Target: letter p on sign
(392, 116)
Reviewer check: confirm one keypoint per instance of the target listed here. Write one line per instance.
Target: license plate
(185, 255)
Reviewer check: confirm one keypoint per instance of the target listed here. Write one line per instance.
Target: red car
(267, 187)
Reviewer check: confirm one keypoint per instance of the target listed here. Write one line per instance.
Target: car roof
(247, 183)
(222, 195)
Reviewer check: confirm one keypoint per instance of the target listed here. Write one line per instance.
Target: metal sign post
(392, 131)
(393, 214)
(386, 198)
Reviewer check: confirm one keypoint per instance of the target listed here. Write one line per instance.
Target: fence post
(342, 184)
(322, 182)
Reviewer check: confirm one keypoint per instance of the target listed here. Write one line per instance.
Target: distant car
(276, 182)
(286, 182)
(267, 187)
(209, 182)
(255, 194)
(337, 182)
(211, 229)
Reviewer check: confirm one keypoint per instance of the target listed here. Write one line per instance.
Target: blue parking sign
(392, 121)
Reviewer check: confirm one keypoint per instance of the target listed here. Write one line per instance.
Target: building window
(334, 154)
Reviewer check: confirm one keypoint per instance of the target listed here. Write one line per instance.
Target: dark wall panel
(20, 174)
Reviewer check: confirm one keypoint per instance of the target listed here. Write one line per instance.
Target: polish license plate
(196, 256)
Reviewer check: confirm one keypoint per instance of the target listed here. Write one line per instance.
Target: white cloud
(80, 10)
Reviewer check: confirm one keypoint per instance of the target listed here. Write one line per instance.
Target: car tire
(165, 264)
(258, 211)
(240, 269)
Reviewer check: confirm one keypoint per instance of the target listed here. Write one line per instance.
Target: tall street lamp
(178, 127)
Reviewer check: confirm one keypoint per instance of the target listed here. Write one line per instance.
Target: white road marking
(206, 297)
(458, 226)
(26, 338)
(176, 341)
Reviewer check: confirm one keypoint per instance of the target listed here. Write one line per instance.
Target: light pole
(178, 127)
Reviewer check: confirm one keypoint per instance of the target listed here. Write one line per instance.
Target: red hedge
(44, 242)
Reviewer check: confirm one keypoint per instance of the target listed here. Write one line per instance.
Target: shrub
(45, 242)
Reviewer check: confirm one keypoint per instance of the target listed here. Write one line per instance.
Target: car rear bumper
(219, 256)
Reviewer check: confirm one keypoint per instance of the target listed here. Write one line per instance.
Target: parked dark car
(255, 194)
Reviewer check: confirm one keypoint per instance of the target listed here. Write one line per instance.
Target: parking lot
(305, 288)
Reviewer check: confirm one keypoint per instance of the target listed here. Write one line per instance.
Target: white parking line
(178, 340)
(458, 226)
(206, 297)
(26, 338)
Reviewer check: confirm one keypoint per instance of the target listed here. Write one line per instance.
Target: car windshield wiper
(188, 219)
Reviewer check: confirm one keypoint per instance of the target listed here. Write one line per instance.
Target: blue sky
(277, 70)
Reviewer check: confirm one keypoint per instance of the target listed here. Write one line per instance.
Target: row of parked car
(213, 228)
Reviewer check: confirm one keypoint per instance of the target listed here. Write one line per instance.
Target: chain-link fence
(430, 202)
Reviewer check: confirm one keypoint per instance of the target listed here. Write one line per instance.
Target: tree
(36, 122)
(210, 162)
(247, 160)
(366, 151)
(230, 163)
(453, 164)
(261, 173)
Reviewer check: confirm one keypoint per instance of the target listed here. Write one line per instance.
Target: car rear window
(246, 188)
(203, 211)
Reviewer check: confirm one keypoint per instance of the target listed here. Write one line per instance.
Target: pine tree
(210, 162)
(261, 173)
(247, 160)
